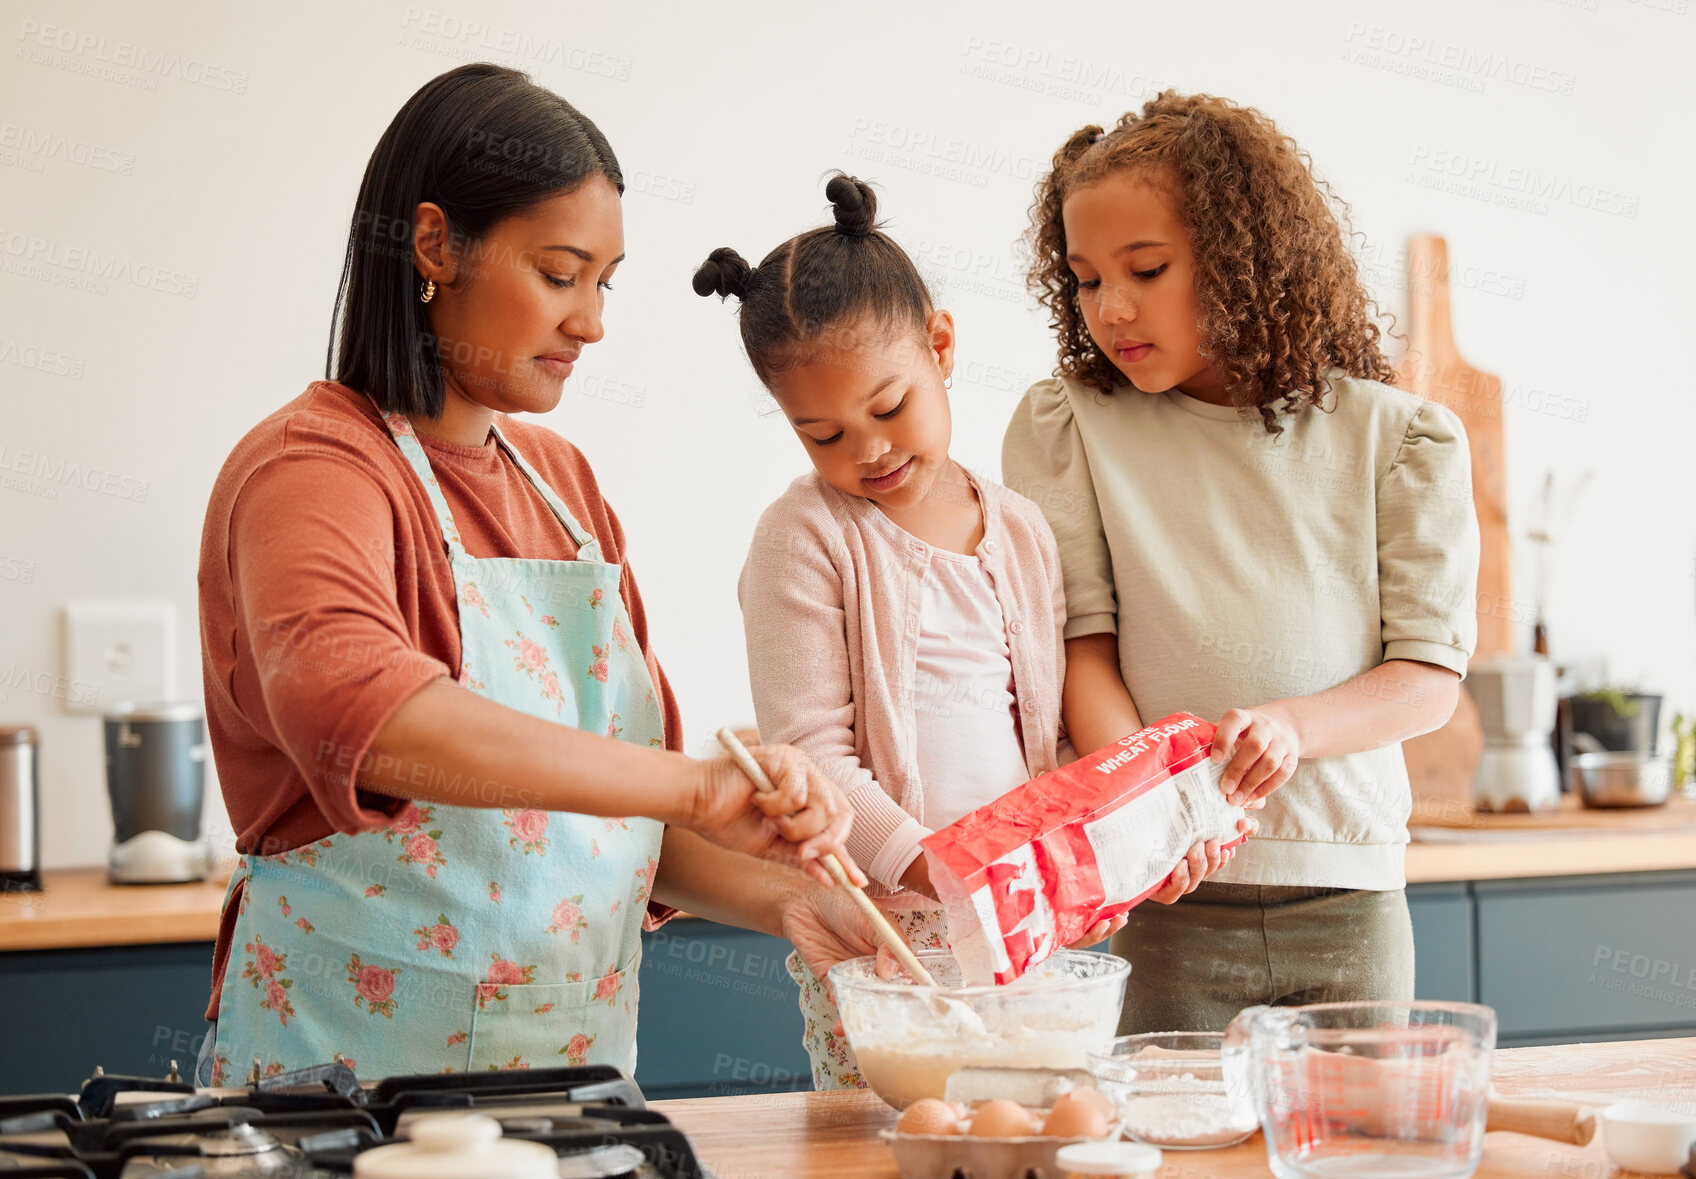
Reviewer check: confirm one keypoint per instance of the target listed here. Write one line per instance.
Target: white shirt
(966, 737)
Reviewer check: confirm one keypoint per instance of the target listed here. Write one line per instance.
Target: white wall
(238, 158)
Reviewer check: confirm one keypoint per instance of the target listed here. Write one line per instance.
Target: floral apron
(467, 937)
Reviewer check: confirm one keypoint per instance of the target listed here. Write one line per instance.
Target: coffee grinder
(1516, 705)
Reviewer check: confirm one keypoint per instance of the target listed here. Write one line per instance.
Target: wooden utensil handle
(1557, 1121)
(880, 921)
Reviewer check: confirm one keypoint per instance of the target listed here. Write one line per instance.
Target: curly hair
(1281, 298)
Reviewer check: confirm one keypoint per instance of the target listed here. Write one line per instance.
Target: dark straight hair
(485, 143)
(823, 279)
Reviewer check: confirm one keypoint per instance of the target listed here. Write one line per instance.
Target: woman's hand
(1260, 749)
(827, 928)
(805, 817)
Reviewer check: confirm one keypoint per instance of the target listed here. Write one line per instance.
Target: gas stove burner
(313, 1123)
(147, 1110)
(239, 1140)
(607, 1162)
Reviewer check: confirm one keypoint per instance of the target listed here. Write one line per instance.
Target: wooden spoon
(887, 933)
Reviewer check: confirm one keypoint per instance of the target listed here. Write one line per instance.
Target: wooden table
(834, 1135)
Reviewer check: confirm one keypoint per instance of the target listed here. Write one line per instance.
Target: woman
(427, 671)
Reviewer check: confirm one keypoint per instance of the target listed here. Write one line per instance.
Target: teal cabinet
(1563, 959)
(1443, 930)
(127, 1009)
(718, 1013)
(1603, 957)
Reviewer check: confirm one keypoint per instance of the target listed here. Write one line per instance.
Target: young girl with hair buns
(902, 614)
(1253, 527)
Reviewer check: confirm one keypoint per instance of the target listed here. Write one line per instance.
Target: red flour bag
(1035, 869)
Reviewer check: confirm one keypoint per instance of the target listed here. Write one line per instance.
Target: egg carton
(953, 1156)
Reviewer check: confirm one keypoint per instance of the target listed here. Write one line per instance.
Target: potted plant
(1684, 751)
(1619, 719)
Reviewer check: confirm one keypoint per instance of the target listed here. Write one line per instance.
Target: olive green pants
(1224, 947)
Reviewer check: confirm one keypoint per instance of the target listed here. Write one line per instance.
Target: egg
(1075, 1116)
(1001, 1119)
(1097, 1100)
(929, 1116)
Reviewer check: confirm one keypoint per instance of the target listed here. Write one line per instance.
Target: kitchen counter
(80, 907)
(1451, 843)
(834, 1135)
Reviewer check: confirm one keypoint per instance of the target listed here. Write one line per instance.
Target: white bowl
(1643, 1137)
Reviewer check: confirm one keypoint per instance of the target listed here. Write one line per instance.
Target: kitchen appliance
(1625, 722)
(318, 1122)
(1623, 779)
(20, 811)
(1516, 704)
(156, 779)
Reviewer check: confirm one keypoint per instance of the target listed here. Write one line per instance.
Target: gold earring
(948, 383)
(429, 291)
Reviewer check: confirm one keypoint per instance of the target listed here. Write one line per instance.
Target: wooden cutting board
(1441, 764)
(1571, 817)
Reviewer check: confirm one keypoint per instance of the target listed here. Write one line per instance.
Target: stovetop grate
(314, 1122)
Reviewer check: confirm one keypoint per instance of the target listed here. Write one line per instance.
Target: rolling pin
(890, 936)
(1392, 1091)
(1558, 1121)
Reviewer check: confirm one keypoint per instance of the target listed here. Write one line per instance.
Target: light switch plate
(117, 651)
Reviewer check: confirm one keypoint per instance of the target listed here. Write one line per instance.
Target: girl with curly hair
(903, 616)
(1254, 527)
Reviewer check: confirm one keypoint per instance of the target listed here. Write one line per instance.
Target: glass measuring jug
(1374, 1090)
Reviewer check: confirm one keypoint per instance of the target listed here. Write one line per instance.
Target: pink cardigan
(830, 600)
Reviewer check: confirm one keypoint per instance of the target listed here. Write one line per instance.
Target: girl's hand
(801, 820)
(1261, 751)
(1203, 860)
(917, 878)
(1100, 932)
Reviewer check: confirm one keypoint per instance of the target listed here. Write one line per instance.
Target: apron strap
(401, 431)
(588, 548)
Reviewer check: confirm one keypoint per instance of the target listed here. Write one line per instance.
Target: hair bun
(855, 204)
(725, 272)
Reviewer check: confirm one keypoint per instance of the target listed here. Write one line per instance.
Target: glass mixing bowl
(908, 1038)
(1178, 1090)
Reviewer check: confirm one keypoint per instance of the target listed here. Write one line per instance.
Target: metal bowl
(1623, 779)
